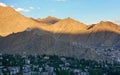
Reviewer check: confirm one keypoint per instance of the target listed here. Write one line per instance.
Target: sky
(86, 11)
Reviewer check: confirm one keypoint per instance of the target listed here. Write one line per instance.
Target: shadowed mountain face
(79, 46)
(65, 37)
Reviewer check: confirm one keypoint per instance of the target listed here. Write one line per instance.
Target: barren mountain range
(53, 36)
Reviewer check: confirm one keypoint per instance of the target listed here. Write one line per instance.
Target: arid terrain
(53, 36)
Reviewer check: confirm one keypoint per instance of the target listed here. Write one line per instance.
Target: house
(49, 69)
(35, 73)
(14, 70)
(1, 73)
(4, 70)
(26, 70)
(61, 65)
(1, 67)
(76, 71)
(40, 69)
(46, 57)
(67, 64)
(44, 73)
(27, 61)
(63, 59)
(84, 73)
(118, 59)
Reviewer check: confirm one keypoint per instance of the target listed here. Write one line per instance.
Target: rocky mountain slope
(66, 37)
(12, 21)
(42, 42)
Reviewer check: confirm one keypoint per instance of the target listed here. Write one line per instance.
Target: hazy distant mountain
(49, 20)
(66, 37)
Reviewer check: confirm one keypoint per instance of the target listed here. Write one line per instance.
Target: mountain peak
(106, 22)
(12, 22)
(49, 19)
(105, 26)
(70, 21)
(68, 25)
(69, 18)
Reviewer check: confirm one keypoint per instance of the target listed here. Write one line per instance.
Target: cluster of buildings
(110, 54)
(35, 69)
(47, 65)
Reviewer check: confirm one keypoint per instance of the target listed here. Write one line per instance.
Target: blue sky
(86, 11)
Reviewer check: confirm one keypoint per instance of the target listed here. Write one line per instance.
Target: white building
(14, 70)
